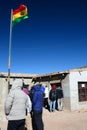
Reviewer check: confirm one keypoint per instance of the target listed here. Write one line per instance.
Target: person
(28, 122)
(31, 92)
(46, 96)
(37, 107)
(59, 98)
(52, 97)
(15, 106)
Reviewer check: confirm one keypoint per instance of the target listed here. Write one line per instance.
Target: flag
(19, 14)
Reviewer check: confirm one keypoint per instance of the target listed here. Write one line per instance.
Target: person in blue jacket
(37, 107)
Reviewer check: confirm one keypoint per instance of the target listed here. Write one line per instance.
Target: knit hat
(53, 86)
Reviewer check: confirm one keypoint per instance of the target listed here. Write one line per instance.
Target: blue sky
(53, 38)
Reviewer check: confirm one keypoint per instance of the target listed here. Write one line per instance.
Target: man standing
(59, 98)
(37, 107)
(46, 104)
(15, 106)
(52, 97)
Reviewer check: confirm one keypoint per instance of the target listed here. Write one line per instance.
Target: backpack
(53, 95)
(59, 93)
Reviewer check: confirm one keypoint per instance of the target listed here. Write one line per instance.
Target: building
(73, 83)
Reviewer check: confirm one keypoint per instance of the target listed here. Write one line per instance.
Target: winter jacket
(52, 95)
(59, 92)
(16, 103)
(37, 101)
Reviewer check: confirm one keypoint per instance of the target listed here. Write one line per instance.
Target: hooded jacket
(37, 101)
(16, 102)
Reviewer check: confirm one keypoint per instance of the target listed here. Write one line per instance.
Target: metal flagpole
(9, 53)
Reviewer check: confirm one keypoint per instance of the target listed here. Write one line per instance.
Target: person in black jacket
(52, 97)
(59, 97)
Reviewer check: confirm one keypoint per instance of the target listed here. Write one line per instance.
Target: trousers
(52, 105)
(16, 124)
(37, 122)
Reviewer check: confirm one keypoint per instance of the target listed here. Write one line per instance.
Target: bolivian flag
(19, 14)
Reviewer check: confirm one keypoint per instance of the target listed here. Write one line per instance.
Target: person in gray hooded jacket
(15, 106)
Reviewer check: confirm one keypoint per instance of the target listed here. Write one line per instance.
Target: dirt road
(65, 120)
(61, 120)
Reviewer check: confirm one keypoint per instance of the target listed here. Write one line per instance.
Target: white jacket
(16, 103)
(46, 92)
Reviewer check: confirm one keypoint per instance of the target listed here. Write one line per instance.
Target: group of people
(56, 97)
(53, 98)
(22, 102)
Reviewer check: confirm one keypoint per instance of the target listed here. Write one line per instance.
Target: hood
(37, 87)
(17, 84)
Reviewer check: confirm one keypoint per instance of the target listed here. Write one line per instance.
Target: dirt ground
(60, 120)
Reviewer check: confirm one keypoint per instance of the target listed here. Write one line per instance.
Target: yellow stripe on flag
(19, 14)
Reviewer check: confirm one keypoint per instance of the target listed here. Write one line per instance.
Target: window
(82, 91)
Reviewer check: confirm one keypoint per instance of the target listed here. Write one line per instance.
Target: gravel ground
(60, 120)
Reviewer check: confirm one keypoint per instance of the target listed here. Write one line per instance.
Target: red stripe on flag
(21, 8)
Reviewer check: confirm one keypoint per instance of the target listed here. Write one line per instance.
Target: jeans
(52, 105)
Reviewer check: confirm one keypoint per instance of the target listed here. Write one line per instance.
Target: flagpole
(9, 53)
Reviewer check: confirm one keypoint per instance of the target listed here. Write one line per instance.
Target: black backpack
(53, 94)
